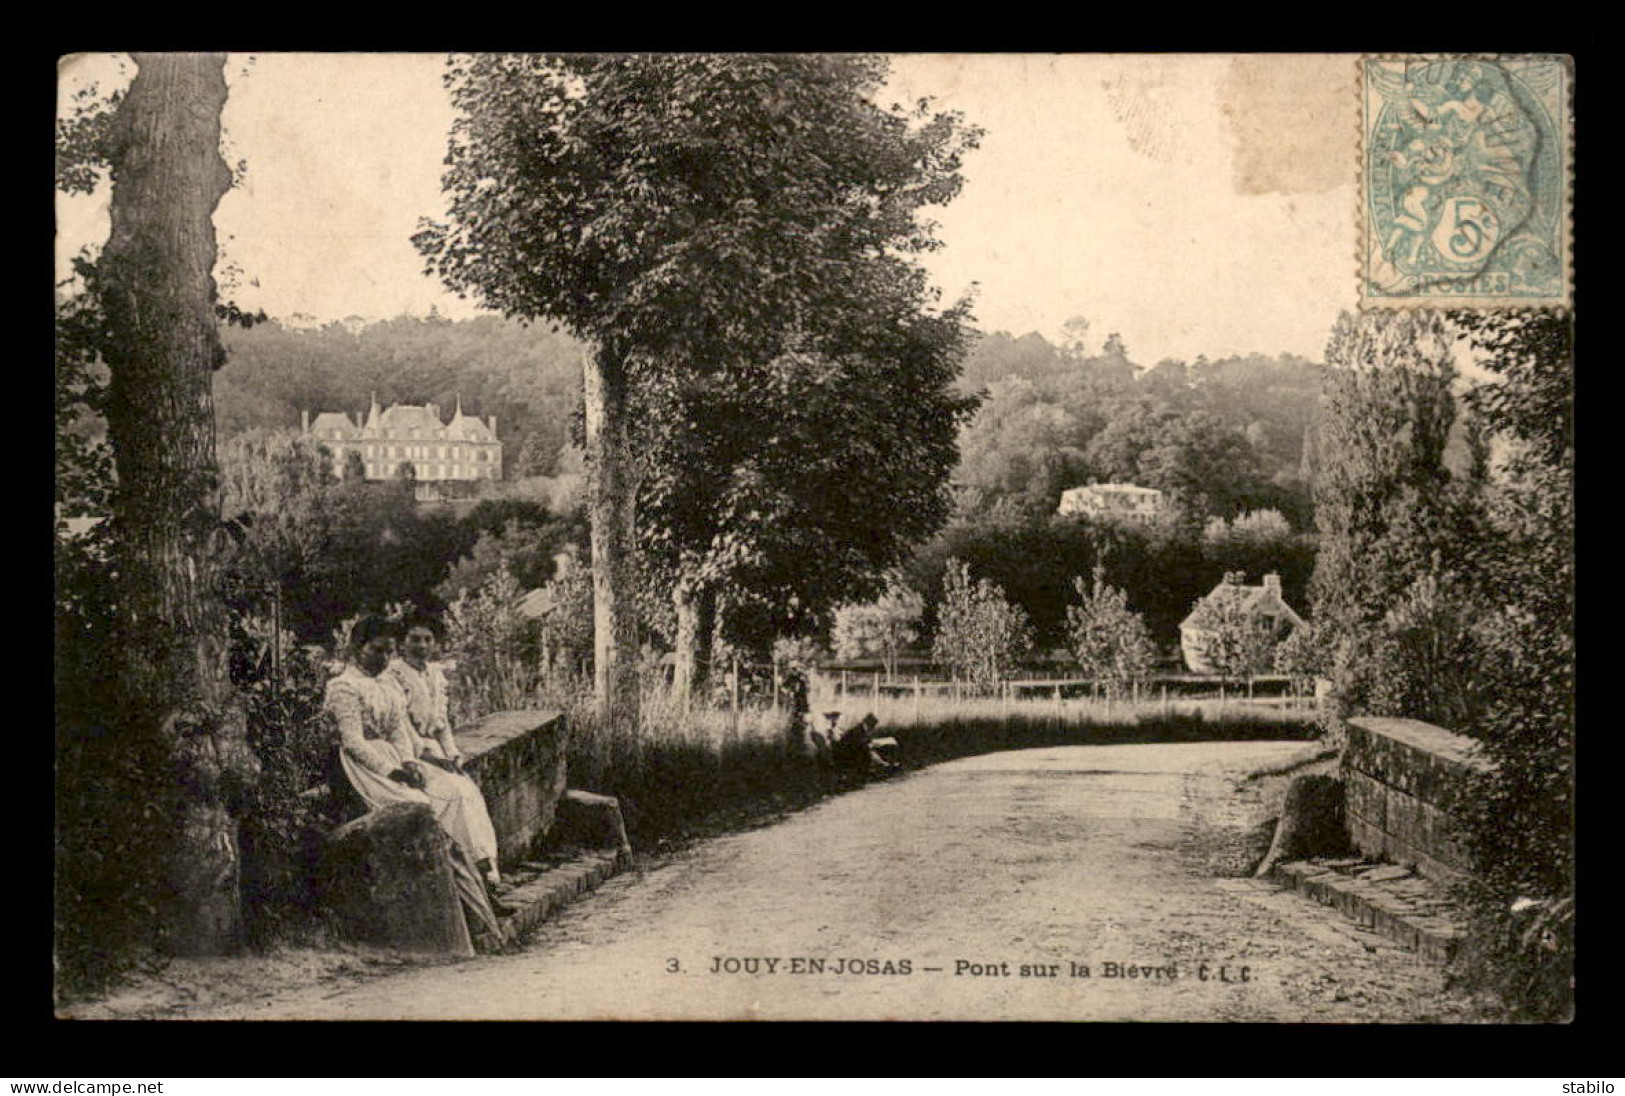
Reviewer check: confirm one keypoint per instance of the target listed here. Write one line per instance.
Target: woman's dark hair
(369, 628)
(424, 620)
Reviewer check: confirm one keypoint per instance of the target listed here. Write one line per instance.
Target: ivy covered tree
(161, 344)
(684, 215)
(1521, 809)
(1109, 640)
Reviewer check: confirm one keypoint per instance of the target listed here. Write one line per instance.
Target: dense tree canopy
(690, 217)
(797, 487)
(1220, 436)
(1522, 810)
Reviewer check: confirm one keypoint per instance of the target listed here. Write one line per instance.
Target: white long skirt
(449, 804)
(479, 836)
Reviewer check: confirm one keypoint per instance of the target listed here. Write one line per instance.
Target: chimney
(304, 422)
(492, 422)
(1272, 581)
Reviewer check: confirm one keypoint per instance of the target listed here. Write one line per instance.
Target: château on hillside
(464, 449)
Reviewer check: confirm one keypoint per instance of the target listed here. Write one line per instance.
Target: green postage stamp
(1465, 182)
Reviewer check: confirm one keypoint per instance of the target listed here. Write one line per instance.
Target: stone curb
(553, 888)
(1311, 754)
(1386, 898)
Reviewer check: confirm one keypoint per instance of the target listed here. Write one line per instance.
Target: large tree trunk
(696, 619)
(612, 510)
(163, 346)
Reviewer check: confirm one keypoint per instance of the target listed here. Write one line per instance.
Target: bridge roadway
(1070, 883)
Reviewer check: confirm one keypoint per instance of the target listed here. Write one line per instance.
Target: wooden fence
(916, 696)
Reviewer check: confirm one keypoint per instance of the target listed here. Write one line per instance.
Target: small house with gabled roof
(1262, 603)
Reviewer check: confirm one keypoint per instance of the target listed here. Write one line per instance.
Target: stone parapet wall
(387, 876)
(518, 760)
(1399, 776)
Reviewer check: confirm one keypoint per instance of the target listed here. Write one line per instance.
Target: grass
(688, 773)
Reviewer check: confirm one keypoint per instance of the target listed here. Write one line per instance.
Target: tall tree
(795, 487)
(1384, 501)
(1522, 809)
(161, 346)
(681, 214)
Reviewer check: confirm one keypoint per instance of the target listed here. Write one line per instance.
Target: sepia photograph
(814, 537)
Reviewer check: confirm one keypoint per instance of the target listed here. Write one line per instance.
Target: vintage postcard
(914, 537)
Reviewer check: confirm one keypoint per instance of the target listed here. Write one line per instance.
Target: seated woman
(369, 711)
(428, 739)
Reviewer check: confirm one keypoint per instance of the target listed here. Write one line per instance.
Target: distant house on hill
(463, 450)
(1232, 601)
(1115, 502)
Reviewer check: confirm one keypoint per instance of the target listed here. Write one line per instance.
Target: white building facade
(1115, 501)
(464, 449)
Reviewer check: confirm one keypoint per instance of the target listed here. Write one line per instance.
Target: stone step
(1386, 898)
(537, 891)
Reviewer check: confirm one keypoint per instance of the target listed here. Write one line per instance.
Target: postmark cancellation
(1465, 168)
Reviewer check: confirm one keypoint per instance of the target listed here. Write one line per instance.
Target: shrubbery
(1444, 592)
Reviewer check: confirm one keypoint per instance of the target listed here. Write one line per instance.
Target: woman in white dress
(370, 712)
(429, 739)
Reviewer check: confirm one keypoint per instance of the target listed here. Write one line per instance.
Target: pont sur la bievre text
(1229, 972)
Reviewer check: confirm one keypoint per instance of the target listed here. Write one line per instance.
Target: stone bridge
(387, 875)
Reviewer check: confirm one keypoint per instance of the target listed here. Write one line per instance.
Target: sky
(1199, 204)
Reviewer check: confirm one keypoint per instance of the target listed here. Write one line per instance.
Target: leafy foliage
(692, 208)
(1522, 810)
(882, 627)
(1109, 640)
(84, 141)
(495, 647)
(528, 543)
(566, 631)
(980, 635)
(1302, 656)
(283, 685)
(1388, 507)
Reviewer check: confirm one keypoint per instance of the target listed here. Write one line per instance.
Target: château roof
(328, 421)
(402, 419)
(468, 428)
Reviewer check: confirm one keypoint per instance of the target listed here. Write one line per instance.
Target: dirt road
(1073, 883)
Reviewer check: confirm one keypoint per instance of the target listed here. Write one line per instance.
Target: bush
(296, 744)
(980, 634)
(497, 650)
